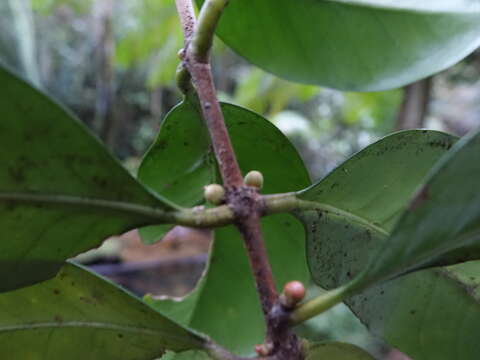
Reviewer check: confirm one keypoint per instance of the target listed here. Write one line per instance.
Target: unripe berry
(214, 193)
(255, 179)
(293, 293)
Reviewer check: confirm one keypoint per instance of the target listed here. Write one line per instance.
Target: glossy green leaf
(78, 315)
(432, 314)
(442, 222)
(179, 164)
(336, 351)
(259, 146)
(61, 192)
(360, 45)
(360, 201)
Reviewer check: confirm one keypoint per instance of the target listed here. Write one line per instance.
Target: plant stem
(245, 202)
(262, 271)
(319, 304)
(227, 162)
(241, 199)
(196, 217)
(196, 61)
(187, 18)
(202, 39)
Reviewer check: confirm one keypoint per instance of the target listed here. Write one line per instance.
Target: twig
(318, 305)
(202, 39)
(262, 271)
(203, 81)
(244, 201)
(187, 18)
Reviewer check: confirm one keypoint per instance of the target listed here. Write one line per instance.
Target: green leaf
(78, 315)
(357, 205)
(61, 192)
(429, 315)
(358, 45)
(415, 312)
(336, 351)
(179, 164)
(442, 223)
(259, 146)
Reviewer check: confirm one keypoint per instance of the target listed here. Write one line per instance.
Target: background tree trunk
(414, 106)
(106, 123)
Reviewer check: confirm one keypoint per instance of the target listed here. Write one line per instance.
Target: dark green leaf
(226, 298)
(442, 223)
(78, 315)
(359, 202)
(430, 315)
(179, 164)
(352, 44)
(61, 192)
(336, 351)
(419, 312)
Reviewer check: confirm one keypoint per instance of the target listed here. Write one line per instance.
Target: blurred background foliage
(113, 63)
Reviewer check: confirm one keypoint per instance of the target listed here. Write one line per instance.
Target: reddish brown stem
(222, 146)
(250, 229)
(202, 78)
(245, 203)
(187, 18)
(243, 200)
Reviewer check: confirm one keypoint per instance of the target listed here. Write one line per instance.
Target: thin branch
(243, 201)
(227, 162)
(262, 271)
(289, 202)
(195, 217)
(187, 18)
(202, 39)
(204, 85)
(319, 304)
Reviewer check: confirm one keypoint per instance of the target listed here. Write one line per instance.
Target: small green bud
(255, 179)
(214, 193)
